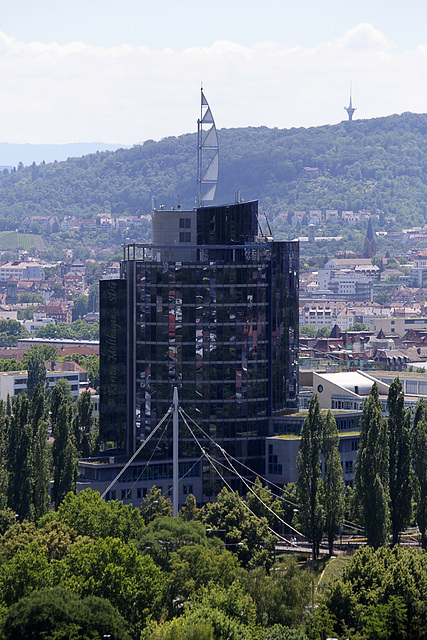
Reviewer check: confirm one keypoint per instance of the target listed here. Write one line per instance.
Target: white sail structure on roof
(207, 154)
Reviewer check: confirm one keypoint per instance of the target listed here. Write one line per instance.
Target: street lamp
(150, 507)
(224, 531)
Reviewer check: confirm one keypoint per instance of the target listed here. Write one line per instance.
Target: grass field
(11, 240)
(333, 569)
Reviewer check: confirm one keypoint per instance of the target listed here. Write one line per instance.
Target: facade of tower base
(214, 313)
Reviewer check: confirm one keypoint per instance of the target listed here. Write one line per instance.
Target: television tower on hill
(350, 109)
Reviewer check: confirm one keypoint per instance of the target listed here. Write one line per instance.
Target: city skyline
(125, 74)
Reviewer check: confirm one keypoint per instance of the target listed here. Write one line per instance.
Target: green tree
(36, 365)
(11, 365)
(372, 471)
(4, 474)
(20, 460)
(84, 435)
(381, 594)
(60, 392)
(165, 534)
(28, 297)
(89, 515)
(80, 307)
(27, 571)
(359, 326)
(280, 597)
(399, 460)
(307, 330)
(155, 505)
(242, 533)
(54, 538)
(323, 332)
(48, 350)
(179, 629)
(93, 299)
(194, 566)
(64, 455)
(190, 511)
(333, 483)
(58, 614)
(112, 569)
(419, 458)
(79, 329)
(10, 331)
(38, 416)
(310, 514)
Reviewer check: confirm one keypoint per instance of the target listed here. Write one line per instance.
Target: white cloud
(364, 36)
(76, 92)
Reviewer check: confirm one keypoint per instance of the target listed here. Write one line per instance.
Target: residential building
(22, 271)
(58, 312)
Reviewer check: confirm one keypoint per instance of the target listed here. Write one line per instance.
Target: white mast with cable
(175, 474)
(207, 154)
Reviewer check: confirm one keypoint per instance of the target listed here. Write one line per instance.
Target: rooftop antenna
(207, 153)
(350, 109)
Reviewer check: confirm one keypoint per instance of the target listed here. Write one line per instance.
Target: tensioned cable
(228, 457)
(209, 458)
(256, 495)
(243, 465)
(233, 470)
(213, 462)
(121, 472)
(294, 504)
(186, 473)
(140, 475)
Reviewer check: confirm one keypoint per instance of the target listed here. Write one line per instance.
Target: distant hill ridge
(379, 163)
(11, 154)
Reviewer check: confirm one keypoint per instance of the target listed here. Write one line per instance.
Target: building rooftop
(352, 381)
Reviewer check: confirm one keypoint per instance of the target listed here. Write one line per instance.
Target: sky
(125, 71)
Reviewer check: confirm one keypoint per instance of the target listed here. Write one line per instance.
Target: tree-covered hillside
(379, 163)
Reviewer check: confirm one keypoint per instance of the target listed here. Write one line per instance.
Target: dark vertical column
(131, 355)
(112, 362)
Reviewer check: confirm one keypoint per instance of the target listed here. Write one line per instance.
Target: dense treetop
(378, 163)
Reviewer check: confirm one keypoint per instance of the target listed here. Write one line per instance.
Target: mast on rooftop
(207, 154)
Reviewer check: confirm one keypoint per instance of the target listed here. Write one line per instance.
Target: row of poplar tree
(390, 481)
(29, 465)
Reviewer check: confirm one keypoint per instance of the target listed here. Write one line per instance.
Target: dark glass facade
(223, 329)
(113, 363)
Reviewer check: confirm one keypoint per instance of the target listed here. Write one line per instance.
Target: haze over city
(126, 72)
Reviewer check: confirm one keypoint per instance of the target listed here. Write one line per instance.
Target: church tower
(370, 247)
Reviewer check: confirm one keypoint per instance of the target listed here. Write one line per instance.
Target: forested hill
(379, 163)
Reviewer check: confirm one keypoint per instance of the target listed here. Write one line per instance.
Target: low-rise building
(13, 383)
(58, 312)
(22, 271)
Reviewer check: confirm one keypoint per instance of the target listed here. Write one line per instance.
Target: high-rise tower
(218, 320)
(209, 308)
(350, 109)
